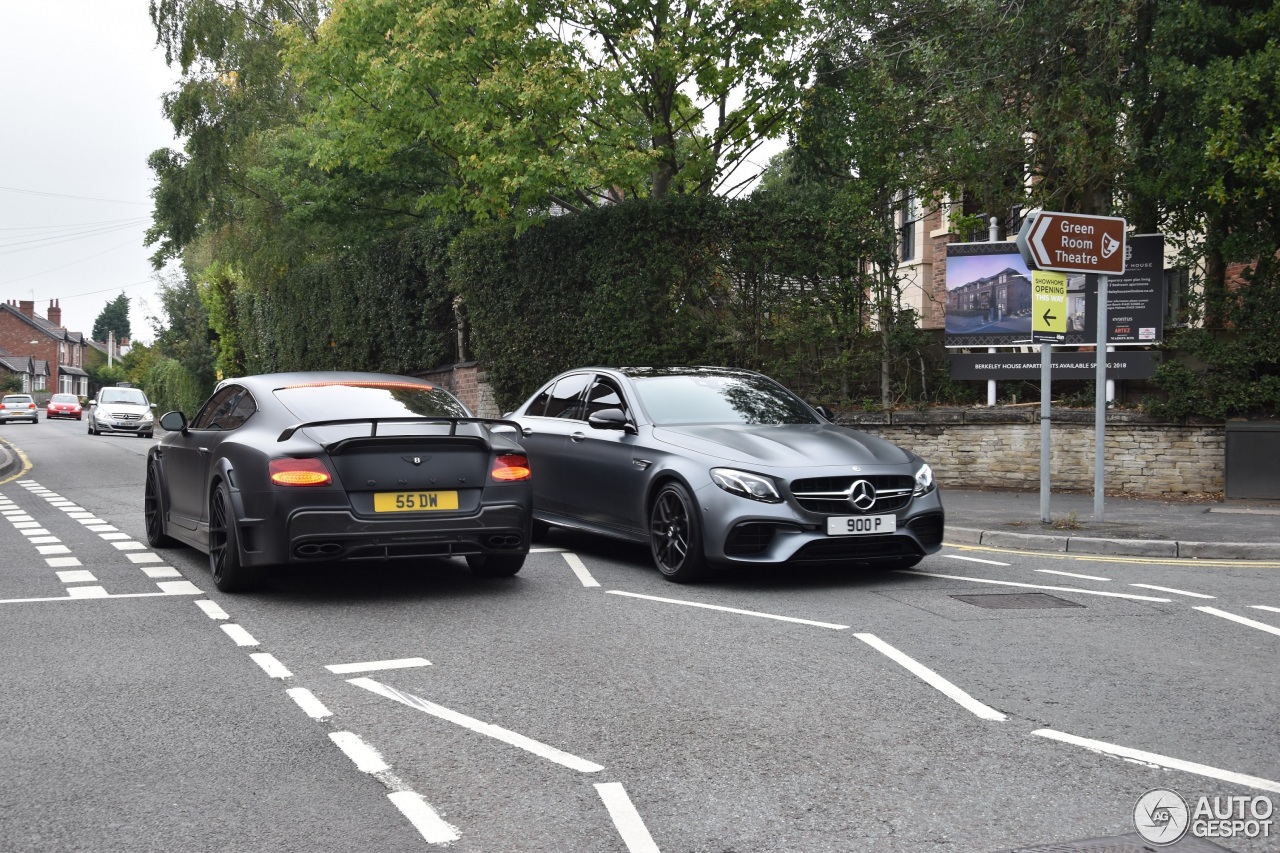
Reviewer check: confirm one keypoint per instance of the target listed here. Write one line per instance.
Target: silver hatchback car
(18, 407)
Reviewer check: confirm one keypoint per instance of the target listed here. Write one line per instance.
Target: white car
(18, 407)
(121, 409)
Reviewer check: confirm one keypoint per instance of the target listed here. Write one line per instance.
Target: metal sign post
(1048, 326)
(1075, 242)
(1100, 404)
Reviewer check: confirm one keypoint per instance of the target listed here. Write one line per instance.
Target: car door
(606, 467)
(556, 413)
(187, 459)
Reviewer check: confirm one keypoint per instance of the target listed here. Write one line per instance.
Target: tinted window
(720, 400)
(539, 405)
(604, 395)
(217, 406)
(14, 400)
(566, 399)
(369, 400)
(65, 398)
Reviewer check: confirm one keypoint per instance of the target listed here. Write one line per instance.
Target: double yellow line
(26, 463)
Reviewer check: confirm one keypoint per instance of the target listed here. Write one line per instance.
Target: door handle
(203, 451)
(576, 437)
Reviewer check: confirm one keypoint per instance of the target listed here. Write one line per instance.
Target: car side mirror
(826, 413)
(611, 419)
(173, 422)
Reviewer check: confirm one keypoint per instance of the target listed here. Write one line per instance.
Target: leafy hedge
(383, 308)
(777, 283)
(774, 284)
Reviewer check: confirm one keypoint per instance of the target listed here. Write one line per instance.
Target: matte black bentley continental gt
(712, 465)
(305, 467)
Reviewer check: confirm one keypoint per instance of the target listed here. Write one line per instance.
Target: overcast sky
(80, 87)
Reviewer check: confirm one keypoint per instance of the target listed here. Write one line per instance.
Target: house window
(1178, 283)
(39, 383)
(907, 215)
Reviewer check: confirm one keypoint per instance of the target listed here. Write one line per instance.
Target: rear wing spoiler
(374, 422)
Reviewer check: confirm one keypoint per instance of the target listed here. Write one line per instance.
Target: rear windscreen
(328, 402)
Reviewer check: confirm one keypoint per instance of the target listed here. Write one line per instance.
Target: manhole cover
(1132, 843)
(1016, 601)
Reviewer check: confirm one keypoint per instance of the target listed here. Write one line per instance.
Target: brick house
(24, 334)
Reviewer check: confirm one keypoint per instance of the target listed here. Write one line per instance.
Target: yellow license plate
(414, 501)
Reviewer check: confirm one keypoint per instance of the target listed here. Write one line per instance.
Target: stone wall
(468, 382)
(1000, 448)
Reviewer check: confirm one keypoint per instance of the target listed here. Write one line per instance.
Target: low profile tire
(495, 565)
(229, 574)
(91, 429)
(675, 536)
(153, 512)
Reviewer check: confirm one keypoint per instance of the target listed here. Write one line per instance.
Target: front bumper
(741, 531)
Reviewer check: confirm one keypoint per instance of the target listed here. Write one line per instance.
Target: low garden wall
(999, 448)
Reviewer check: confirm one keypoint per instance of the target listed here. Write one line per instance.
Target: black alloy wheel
(495, 565)
(675, 538)
(229, 574)
(153, 511)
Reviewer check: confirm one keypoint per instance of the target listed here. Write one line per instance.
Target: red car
(64, 406)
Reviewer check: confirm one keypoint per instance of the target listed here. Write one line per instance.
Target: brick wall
(994, 448)
(467, 381)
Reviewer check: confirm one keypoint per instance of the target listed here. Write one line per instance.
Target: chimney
(28, 308)
(55, 313)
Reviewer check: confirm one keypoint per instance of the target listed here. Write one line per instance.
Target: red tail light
(299, 472)
(509, 469)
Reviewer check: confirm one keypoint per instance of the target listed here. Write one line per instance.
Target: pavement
(1191, 528)
(1187, 528)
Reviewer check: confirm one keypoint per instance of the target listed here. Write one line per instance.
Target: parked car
(121, 408)
(63, 406)
(306, 467)
(717, 466)
(18, 407)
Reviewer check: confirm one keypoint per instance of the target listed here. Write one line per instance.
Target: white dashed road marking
(1162, 760)
(507, 736)
(1172, 590)
(831, 625)
(626, 818)
(1073, 575)
(580, 569)
(373, 666)
(1261, 626)
(1076, 590)
(933, 679)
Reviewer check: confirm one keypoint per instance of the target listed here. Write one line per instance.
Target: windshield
(64, 398)
(131, 396)
(710, 399)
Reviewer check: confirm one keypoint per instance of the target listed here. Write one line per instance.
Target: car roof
(644, 372)
(267, 382)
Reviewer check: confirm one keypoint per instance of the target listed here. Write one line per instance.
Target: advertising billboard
(990, 297)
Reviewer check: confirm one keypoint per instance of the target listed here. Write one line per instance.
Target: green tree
(571, 102)
(114, 318)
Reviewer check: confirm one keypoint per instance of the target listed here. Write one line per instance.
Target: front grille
(830, 495)
(749, 539)
(856, 548)
(125, 416)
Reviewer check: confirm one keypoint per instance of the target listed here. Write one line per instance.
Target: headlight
(742, 484)
(924, 481)
(147, 418)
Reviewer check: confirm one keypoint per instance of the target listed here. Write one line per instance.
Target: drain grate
(1125, 844)
(1016, 601)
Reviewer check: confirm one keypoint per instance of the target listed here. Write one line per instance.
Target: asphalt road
(587, 705)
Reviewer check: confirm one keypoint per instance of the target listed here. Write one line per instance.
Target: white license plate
(861, 525)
